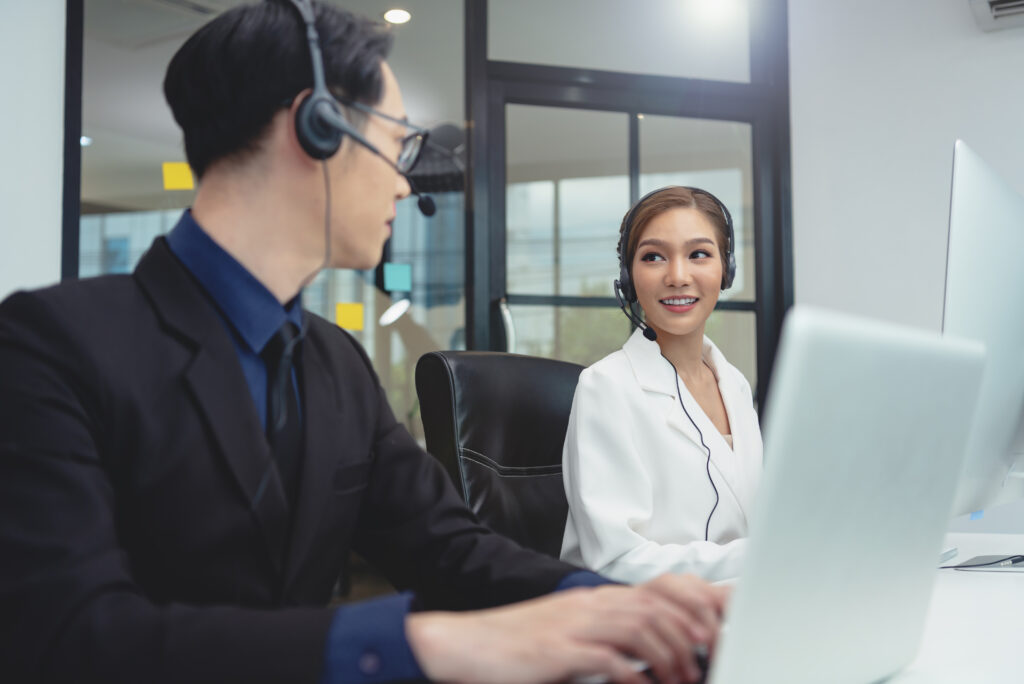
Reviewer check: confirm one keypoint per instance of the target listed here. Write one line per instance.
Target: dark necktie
(284, 426)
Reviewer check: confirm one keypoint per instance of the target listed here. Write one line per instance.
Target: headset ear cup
(626, 284)
(319, 140)
(730, 272)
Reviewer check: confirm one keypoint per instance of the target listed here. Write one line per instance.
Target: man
(186, 457)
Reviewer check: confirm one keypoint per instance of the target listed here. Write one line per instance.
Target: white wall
(32, 139)
(879, 91)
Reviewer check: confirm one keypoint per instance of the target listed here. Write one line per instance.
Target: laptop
(865, 429)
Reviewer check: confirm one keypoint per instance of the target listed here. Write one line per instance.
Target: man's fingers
(698, 627)
(650, 645)
(652, 629)
(685, 663)
(720, 594)
(593, 664)
(701, 603)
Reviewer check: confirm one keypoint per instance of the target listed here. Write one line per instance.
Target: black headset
(320, 122)
(707, 465)
(624, 284)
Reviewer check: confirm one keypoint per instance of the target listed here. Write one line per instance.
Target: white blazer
(636, 475)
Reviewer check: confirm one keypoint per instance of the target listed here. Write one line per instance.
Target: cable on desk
(1013, 560)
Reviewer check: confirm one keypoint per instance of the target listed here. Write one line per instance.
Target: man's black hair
(231, 76)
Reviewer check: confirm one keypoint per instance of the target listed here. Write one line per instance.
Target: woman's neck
(685, 352)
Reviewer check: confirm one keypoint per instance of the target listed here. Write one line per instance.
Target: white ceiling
(128, 44)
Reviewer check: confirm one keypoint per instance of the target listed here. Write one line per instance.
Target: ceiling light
(394, 312)
(397, 16)
(85, 141)
(717, 13)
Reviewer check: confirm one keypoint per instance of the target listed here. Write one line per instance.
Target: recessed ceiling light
(397, 16)
(85, 141)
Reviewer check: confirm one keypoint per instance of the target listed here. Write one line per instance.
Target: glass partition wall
(128, 198)
(567, 188)
(568, 134)
(564, 135)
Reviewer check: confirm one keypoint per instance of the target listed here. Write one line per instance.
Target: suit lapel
(655, 375)
(322, 444)
(215, 380)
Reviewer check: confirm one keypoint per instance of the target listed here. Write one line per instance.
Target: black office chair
(497, 422)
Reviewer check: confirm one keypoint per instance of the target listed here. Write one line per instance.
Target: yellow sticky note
(177, 176)
(349, 316)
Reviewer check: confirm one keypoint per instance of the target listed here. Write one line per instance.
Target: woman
(663, 451)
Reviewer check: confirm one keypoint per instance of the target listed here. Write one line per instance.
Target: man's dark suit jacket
(135, 542)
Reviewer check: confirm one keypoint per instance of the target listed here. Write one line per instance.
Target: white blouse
(636, 473)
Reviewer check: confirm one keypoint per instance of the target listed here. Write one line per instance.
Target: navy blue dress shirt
(250, 312)
(366, 643)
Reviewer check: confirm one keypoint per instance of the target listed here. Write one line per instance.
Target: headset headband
(625, 281)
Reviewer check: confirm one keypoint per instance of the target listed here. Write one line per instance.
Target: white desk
(975, 626)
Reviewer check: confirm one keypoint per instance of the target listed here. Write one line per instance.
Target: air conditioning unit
(993, 15)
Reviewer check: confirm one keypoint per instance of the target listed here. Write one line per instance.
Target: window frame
(763, 103)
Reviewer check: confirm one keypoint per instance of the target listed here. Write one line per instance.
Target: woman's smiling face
(677, 271)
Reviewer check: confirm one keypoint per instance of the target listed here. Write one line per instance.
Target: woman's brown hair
(660, 201)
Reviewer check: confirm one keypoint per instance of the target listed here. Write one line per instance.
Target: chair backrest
(497, 422)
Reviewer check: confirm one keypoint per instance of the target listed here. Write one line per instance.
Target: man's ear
(294, 146)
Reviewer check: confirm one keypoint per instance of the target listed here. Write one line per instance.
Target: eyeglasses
(412, 144)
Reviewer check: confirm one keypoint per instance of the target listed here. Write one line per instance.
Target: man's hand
(574, 633)
(701, 602)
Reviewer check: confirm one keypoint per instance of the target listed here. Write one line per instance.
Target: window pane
(530, 255)
(579, 334)
(585, 335)
(735, 334)
(589, 214)
(433, 249)
(113, 243)
(715, 156)
(707, 39)
(568, 187)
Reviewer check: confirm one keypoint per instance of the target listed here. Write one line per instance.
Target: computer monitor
(985, 301)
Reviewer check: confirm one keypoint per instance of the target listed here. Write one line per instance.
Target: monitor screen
(985, 301)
